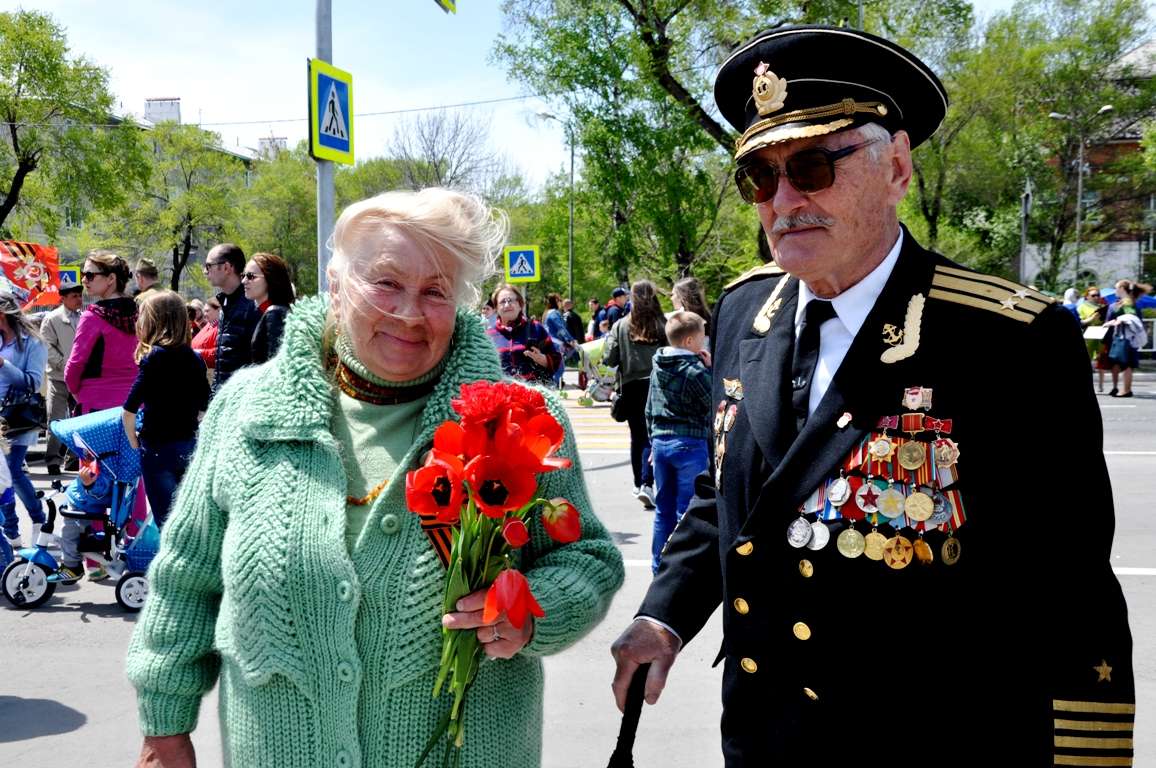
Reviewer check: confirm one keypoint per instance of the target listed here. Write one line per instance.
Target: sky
(239, 67)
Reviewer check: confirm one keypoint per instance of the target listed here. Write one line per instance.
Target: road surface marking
(1130, 453)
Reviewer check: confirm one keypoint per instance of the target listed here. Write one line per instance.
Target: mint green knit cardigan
(326, 657)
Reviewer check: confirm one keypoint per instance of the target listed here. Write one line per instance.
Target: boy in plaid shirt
(678, 419)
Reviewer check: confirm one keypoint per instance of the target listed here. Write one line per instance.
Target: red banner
(33, 270)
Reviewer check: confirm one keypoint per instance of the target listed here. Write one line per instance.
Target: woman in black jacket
(267, 284)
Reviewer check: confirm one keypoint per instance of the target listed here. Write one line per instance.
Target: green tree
(63, 153)
(188, 201)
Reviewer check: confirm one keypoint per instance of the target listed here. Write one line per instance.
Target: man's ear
(900, 167)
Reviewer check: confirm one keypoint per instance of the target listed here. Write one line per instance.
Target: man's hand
(499, 639)
(167, 752)
(642, 642)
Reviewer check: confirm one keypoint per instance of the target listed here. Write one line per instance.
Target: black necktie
(806, 356)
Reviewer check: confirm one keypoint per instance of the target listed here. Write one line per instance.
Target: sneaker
(70, 574)
(634, 492)
(646, 496)
(97, 574)
(15, 543)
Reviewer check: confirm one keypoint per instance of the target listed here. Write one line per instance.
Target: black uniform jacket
(1019, 653)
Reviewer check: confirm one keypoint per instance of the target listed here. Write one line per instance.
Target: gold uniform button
(801, 630)
(806, 569)
(745, 548)
(811, 694)
(749, 665)
(741, 606)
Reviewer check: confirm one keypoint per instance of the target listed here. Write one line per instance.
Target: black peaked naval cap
(801, 81)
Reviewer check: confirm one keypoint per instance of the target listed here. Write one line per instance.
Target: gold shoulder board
(972, 289)
(765, 269)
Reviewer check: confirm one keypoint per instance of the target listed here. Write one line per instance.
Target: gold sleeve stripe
(973, 301)
(1106, 707)
(765, 269)
(1091, 760)
(985, 290)
(1092, 742)
(993, 280)
(1092, 725)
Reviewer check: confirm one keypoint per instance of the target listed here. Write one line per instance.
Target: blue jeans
(163, 465)
(22, 487)
(677, 462)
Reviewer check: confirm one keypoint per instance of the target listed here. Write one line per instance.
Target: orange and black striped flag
(33, 271)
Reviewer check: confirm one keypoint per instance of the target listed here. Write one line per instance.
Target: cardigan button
(344, 760)
(344, 591)
(345, 672)
(390, 524)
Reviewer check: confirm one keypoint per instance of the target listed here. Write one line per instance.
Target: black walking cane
(623, 756)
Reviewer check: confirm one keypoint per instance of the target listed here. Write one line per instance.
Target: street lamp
(1079, 174)
(570, 141)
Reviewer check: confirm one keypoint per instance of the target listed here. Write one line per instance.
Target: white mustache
(784, 223)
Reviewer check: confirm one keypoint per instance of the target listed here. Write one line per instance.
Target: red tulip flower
(436, 489)
(515, 533)
(498, 485)
(561, 520)
(510, 594)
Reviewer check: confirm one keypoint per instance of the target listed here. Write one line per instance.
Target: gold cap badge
(770, 90)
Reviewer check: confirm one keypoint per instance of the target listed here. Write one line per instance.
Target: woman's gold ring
(495, 637)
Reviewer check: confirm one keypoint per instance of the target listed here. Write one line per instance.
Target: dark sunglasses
(250, 276)
(91, 275)
(809, 171)
(210, 264)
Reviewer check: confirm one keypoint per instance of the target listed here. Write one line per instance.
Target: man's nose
(787, 199)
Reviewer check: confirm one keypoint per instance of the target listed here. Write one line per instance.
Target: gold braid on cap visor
(844, 107)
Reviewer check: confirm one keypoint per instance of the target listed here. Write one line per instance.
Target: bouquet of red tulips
(480, 484)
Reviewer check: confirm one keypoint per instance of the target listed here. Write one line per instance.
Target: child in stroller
(89, 495)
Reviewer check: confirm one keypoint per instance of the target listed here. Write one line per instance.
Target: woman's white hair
(457, 230)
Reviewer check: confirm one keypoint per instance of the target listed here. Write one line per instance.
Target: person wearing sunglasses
(267, 284)
(239, 315)
(886, 513)
(1093, 311)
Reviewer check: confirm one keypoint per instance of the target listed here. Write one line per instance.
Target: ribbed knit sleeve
(575, 582)
(171, 659)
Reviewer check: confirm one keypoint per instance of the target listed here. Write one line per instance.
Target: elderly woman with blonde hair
(291, 572)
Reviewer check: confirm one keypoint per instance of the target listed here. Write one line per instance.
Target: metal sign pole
(326, 206)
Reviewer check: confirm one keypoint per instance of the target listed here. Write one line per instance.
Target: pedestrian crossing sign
(330, 113)
(522, 265)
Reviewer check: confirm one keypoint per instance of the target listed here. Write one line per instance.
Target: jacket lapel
(863, 386)
(764, 360)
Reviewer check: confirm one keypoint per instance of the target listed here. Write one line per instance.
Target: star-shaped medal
(1104, 671)
(869, 497)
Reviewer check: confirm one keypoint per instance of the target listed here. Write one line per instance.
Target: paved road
(64, 700)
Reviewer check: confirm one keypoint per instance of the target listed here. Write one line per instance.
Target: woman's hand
(537, 357)
(499, 639)
(167, 752)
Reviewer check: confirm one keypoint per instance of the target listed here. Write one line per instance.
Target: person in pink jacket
(101, 369)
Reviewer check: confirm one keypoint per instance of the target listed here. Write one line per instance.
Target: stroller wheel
(26, 584)
(132, 590)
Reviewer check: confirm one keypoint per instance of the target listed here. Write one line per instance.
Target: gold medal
(733, 388)
(950, 551)
(923, 552)
(912, 455)
(919, 506)
(850, 543)
(898, 552)
(881, 448)
(873, 545)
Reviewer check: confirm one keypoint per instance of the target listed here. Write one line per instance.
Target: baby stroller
(599, 377)
(31, 579)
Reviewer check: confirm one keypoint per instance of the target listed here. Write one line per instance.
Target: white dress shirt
(851, 309)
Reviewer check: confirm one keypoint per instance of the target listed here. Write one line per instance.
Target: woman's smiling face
(400, 310)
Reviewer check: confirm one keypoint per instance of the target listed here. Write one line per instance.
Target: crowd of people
(1114, 333)
(147, 351)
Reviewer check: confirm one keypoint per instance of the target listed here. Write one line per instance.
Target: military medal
(950, 551)
(838, 491)
(890, 503)
(867, 497)
(873, 545)
(919, 506)
(729, 419)
(923, 552)
(820, 535)
(719, 414)
(733, 388)
(917, 398)
(941, 509)
(946, 452)
(898, 552)
(850, 543)
(912, 455)
(799, 533)
(881, 448)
